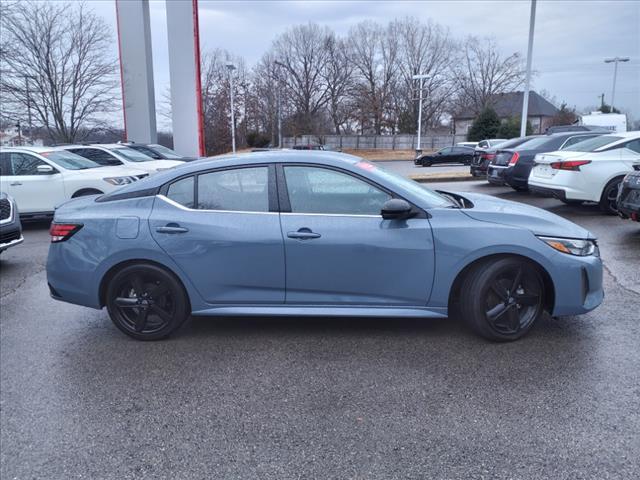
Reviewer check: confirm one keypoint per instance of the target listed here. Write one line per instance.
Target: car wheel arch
(87, 191)
(109, 274)
(454, 292)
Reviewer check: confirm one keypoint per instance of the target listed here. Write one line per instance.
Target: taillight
(514, 158)
(488, 156)
(63, 231)
(573, 165)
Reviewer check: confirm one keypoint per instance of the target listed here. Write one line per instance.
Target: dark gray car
(512, 166)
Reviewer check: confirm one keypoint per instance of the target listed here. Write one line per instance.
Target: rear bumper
(495, 175)
(548, 192)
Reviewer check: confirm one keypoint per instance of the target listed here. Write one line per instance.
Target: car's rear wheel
(146, 302)
(609, 198)
(502, 299)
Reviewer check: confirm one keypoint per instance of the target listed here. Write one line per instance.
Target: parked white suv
(591, 170)
(118, 154)
(40, 178)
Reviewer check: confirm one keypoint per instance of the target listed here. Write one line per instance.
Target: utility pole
(601, 97)
(231, 67)
(279, 95)
(615, 61)
(19, 133)
(421, 78)
(527, 85)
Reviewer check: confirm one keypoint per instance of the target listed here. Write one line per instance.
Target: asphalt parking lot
(322, 398)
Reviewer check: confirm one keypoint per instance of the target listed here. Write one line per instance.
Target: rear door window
(239, 190)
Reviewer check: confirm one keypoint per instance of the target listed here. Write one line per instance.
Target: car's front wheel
(426, 163)
(146, 302)
(501, 299)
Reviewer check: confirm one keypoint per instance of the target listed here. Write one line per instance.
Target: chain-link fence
(373, 142)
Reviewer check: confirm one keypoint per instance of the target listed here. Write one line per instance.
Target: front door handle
(172, 228)
(303, 234)
(15, 184)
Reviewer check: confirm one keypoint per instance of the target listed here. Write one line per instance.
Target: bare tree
(303, 55)
(338, 77)
(56, 64)
(374, 55)
(484, 72)
(424, 49)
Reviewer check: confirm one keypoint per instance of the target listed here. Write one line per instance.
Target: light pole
(527, 85)
(231, 67)
(279, 93)
(419, 145)
(615, 61)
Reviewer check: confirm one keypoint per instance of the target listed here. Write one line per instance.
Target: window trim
(285, 204)
(271, 188)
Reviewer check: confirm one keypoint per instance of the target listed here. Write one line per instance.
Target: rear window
(593, 144)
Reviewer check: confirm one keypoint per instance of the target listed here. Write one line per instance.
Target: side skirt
(321, 311)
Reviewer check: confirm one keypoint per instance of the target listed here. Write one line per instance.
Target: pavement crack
(21, 282)
(618, 283)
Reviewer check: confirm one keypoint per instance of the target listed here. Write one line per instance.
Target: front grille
(5, 209)
(7, 237)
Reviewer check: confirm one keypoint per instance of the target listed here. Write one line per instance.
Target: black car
(10, 227)
(482, 156)
(308, 146)
(512, 166)
(455, 154)
(158, 152)
(629, 196)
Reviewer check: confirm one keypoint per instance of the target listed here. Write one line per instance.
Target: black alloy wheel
(146, 302)
(502, 299)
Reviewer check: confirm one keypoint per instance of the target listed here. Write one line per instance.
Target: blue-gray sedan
(315, 233)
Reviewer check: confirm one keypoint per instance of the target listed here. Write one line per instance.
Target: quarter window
(242, 189)
(634, 145)
(182, 192)
(320, 190)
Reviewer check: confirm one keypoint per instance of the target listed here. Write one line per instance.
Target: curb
(434, 179)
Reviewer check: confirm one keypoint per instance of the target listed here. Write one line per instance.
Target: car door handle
(15, 184)
(172, 228)
(303, 234)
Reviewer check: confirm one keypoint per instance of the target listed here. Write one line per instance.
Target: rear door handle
(303, 234)
(172, 228)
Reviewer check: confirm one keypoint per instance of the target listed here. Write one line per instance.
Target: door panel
(33, 192)
(340, 251)
(358, 260)
(234, 253)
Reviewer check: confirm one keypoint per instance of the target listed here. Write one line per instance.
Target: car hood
(540, 222)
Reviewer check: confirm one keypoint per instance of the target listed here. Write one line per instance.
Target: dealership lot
(321, 398)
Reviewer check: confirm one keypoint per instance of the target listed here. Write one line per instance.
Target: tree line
(56, 69)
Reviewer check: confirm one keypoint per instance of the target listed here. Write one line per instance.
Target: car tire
(146, 302)
(426, 163)
(608, 200)
(501, 299)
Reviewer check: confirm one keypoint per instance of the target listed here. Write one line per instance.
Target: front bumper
(578, 284)
(10, 236)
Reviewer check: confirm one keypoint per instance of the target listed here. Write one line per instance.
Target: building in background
(509, 105)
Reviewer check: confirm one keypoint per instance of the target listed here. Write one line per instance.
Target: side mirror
(396, 209)
(45, 169)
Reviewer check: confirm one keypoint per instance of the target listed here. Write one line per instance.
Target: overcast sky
(572, 38)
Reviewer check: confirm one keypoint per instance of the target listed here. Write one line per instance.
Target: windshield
(70, 161)
(592, 144)
(435, 198)
(167, 152)
(132, 155)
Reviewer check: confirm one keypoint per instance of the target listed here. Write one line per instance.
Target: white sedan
(591, 170)
(118, 154)
(40, 178)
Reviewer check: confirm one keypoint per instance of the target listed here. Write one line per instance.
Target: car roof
(34, 149)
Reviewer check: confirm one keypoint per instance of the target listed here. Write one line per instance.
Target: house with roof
(508, 105)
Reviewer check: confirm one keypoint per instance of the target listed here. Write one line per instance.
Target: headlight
(119, 180)
(572, 246)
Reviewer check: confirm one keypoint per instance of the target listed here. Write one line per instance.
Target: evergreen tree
(485, 125)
